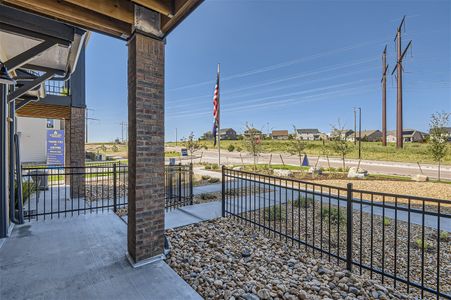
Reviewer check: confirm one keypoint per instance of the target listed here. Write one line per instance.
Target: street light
(360, 132)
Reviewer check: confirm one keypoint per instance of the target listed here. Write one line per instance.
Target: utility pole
(86, 123)
(122, 129)
(399, 69)
(384, 96)
(355, 127)
(360, 132)
(176, 138)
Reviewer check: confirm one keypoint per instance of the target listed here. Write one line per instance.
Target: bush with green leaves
(336, 216)
(444, 236)
(239, 149)
(303, 202)
(214, 166)
(205, 177)
(275, 213)
(28, 188)
(423, 244)
(387, 221)
(207, 167)
(231, 147)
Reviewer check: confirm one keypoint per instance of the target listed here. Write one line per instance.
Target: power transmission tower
(384, 96)
(87, 119)
(122, 130)
(399, 69)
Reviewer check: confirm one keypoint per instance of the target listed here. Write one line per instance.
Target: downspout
(12, 130)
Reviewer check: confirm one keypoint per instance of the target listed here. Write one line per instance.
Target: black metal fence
(398, 239)
(54, 191)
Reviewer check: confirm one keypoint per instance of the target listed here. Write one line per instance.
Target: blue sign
(55, 147)
(184, 152)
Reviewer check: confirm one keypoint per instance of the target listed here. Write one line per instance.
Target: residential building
(227, 134)
(309, 134)
(253, 131)
(370, 135)
(33, 137)
(408, 135)
(279, 134)
(347, 134)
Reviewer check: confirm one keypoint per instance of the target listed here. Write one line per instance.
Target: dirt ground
(423, 189)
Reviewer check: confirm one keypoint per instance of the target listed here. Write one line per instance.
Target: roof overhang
(40, 44)
(112, 17)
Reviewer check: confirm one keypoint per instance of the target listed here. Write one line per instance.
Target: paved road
(376, 167)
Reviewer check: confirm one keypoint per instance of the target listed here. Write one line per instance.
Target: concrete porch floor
(82, 257)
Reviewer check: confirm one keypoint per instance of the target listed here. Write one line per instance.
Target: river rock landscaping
(223, 259)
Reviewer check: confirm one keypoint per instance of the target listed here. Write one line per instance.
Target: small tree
(297, 147)
(252, 142)
(339, 143)
(438, 142)
(325, 151)
(191, 145)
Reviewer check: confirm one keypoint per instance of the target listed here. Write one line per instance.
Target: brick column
(145, 148)
(74, 130)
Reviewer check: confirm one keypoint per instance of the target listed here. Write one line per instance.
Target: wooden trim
(46, 111)
(74, 15)
(183, 9)
(118, 9)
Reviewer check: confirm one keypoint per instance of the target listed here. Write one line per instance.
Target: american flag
(216, 110)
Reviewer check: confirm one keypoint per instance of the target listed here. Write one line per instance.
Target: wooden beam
(182, 9)
(40, 110)
(75, 15)
(164, 7)
(118, 9)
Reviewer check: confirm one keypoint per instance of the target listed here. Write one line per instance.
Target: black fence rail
(55, 191)
(400, 240)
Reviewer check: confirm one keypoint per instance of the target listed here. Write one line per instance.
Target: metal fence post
(114, 188)
(179, 185)
(349, 228)
(223, 191)
(191, 183)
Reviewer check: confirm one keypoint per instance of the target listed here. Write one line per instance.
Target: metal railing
(55, 191)
(57, 88)
(398, 239)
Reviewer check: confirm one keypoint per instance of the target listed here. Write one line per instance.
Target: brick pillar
(74, 130)
(145, 148)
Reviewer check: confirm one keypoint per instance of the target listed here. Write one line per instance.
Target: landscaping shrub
(275, 213)
(239, 149)
(387, 221)
(213, 180)
(444, 236)
(205, 177)
(207, 196)
(302, 202)
(231, 148)
(337, 216)
(207, 167)
(423, 244)
(28, 188)
(214, 166)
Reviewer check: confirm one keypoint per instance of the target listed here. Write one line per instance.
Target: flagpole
(219, 120)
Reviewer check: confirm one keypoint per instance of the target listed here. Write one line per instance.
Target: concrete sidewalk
(81, 258)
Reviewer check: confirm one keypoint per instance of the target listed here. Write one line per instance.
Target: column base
(144, 262)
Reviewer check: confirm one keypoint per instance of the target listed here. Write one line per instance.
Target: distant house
(227, 134)
(279, 134)
(447, 133)
(252, 131)
(309, 134)
(370, 135)
(408, 135)
(346, 134)
(207, 136)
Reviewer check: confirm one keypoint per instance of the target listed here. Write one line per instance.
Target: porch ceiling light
(4, 76)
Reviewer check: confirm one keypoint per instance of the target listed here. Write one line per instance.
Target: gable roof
(307, 131)
(279, 133)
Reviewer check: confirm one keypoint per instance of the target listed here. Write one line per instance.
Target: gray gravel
(223, 259)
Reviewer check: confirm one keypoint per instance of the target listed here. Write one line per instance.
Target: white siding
(33, 138)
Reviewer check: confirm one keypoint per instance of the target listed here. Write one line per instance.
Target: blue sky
(284, 63)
